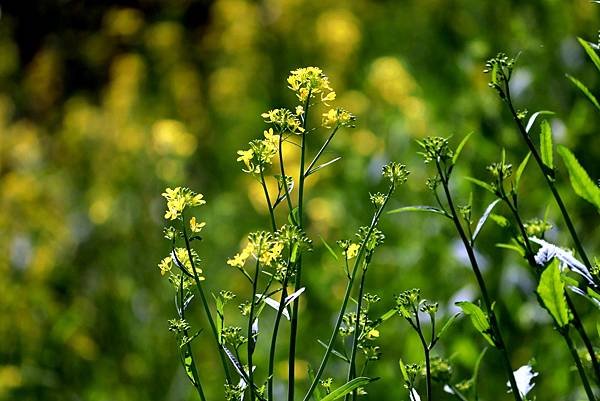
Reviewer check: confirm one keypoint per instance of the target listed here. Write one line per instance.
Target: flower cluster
(435, 148)
(180, 198)
(395, 172)
(339, 117)
(500, 171)
(310, 81)
(406, 302)
(263, 246)
(284, 120)
(260, 154)
(537, 227)
(180, 258)
(501, 68)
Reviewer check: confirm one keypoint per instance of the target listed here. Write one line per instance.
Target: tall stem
(268, 199)
(284, 178)
(483, 288)
(349, 286)
(355, 337)
(298, 278)
(251, 337)
(586, 384)
(211, 322)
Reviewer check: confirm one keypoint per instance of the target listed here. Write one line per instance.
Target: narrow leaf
(551, 290)
(331, 251)
(584, 89)
(580, 181)
(447, 325)
(319, 167)
(520, 169)
(546, 144)
(590, 52)
(429, 209)
(347, 388)
(335, 352)
(273, 304)
(403, 370)
(460, 147)
(512, 247)
(478, 318)
(290, 298)
(483, 218)
(311, 378)
(481, 184)
(534, 116)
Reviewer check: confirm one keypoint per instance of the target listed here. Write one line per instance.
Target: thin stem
(355, 338)
(576, 319)
(211, 322)
(268, 198)
(549, 179)
(349, 286)
(275, 332)
(284, 177)
(188, 346)
(586, 384)
(480, 281)
(298, 278)
(251, 337)
(457, 393)
(320, 152)
(426, 351)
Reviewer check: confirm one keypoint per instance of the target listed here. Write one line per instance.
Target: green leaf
(335, 352)
(584, 89)
(403, 370)
(512, 247)
(483, 219)
(478, 318)
(347, 388)
(546, 144)
(580, 181)
(447, 325)
(188, 363)
(293, 217)
(220, 314)
(551, 290)
(475, 377)
(534, 116)
(481, 184)
(319, 167)
(331, 251)
(429, 209)
(460, 147)
(590, 52)
(520, 169)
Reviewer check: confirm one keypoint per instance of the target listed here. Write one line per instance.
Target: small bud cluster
(435, 148)
(395, 172)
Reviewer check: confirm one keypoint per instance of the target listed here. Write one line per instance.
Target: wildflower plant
(271, 261)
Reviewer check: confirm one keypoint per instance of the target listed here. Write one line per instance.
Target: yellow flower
(374, 333)
(310, 80)
(236, 261)
(178, 199)
(299, 110)
(195, 226)
(352, 251)
(165, 265)
(246, 156)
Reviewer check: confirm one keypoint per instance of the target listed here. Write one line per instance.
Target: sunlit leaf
(584, 89)
(551, 290)
(478, 318)
(580, 181)
(546, 144)
(348, 388)
(534, 116)
(429, 209)
(460, 147)
(484, 218)
(482, 184)
(590, 52)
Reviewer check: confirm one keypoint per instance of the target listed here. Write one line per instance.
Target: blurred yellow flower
(352, 251)
(195, 226)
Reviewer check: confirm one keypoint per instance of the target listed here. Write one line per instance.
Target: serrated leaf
(584, 89)
(481, 184)
(460, 147)
(590, 52)
(348, 388)
(521, 169)
(478, 318)
(429, 209)
(546, 144)
(580, 181)
(551, 290)
(484, 218)
(534, 116)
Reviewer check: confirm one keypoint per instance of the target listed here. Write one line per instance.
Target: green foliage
(580, 180)
(478, 318)
(551, 290)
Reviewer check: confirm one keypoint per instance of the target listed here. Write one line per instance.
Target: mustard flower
(310, 80)
(352, 251)
(338, 118)
(395, 172)
(178, 199)
(196, 226)
(284, 120)
(165, 265)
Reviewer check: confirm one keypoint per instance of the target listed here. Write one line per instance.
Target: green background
(104, 105)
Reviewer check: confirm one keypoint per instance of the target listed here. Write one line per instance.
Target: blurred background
(104, 104)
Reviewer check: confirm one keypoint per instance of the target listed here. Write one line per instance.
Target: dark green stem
(483, 288)
(320, 152)
(284, 178)
(211, 322)
(268, 198)
(548, 178)
(355, 338)
(349, 286)
(251, 337)
(298, 278)
(586, 384)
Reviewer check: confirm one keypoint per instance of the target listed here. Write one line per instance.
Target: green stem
(586, 384)
(268, 199)
(483, 288)
(251, 337)
(320, 152)
(188, 346)
(548, 178)
(211, 322)
(355, 338)
(349, 286)
(576, 319)
(274, 335)
(298, 278)
(282, 168)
